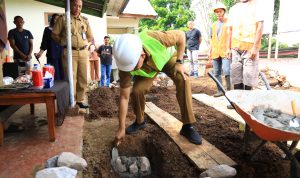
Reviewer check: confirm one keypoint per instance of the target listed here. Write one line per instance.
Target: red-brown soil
(165, 157)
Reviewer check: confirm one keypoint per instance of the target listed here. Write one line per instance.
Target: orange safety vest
(218, 46)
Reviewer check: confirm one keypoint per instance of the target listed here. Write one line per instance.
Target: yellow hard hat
(219, 5)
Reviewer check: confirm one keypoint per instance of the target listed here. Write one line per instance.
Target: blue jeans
(221, 65)
(105, 74)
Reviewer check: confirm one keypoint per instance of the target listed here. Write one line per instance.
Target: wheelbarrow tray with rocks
(245, 101)
(279, 101)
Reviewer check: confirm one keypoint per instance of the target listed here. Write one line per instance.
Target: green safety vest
(160, 54)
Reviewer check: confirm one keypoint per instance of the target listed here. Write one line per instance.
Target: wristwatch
(180, 61)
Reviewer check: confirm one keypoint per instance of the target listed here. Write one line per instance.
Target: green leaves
(172, 14)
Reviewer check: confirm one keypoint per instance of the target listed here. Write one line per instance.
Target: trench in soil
(165, 157)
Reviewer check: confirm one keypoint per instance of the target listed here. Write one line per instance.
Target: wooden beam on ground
(220, 104)
(203, 156)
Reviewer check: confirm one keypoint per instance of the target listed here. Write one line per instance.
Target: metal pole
(69, 52)
(277, 43)
(299, 48)
(278, 33)
(271, 32)
(270, 46)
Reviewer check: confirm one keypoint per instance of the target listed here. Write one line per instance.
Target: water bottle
(196, 66)
(37, 77)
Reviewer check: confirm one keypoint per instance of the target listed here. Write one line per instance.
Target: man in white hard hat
(221, 64)
(245, 28)
(143, 56)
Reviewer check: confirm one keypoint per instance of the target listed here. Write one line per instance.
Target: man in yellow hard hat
(143, 56)
(221, 64)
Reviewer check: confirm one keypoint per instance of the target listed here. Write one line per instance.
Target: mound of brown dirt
(165, 157)
(103, 102)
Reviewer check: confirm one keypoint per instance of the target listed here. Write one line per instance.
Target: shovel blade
(114, 153)
(294, 123)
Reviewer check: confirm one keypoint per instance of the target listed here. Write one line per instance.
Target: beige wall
(122, 25)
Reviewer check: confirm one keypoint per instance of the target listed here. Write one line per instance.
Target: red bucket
(37, 79)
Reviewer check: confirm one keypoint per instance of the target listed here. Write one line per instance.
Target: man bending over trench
(143, 56)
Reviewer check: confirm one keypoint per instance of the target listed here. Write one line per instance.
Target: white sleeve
(259, 14)
(230, 17)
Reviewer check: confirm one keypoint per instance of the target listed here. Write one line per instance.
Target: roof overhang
(139, 8)
(91, 7)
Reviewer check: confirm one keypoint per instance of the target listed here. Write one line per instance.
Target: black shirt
(21, 40)
(105, 54)
(192, 37)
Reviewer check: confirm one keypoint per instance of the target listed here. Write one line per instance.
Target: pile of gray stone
(219, 171)
(65, 165)
(275, 79)
(130, 166)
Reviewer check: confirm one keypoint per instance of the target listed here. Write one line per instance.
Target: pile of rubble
(275, 79)
(64, 165)
(130, 166)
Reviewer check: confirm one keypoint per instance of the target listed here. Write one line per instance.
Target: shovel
(35, 55)
(293, 122)
(114, 153)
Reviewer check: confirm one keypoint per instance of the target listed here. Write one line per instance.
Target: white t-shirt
(243, 18)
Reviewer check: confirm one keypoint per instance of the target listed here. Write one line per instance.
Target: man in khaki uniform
(81, 35)
(143, 56)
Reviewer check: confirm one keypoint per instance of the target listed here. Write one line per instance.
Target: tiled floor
(25, 152)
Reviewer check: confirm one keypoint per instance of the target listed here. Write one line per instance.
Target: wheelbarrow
(245, 101)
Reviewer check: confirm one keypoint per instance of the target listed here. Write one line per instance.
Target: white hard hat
(127, 50)
(219, 5)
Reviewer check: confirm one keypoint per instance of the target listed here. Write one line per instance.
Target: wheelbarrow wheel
(295, 168)
(297, 155)
(295, 165)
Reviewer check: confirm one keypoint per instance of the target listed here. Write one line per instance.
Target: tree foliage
(227, 3)
(265, 43)
(172, 14)
(275, 16)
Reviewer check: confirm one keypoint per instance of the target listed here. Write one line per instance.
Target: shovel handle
(221, 87)
(217, 82)
(264, 78)
(294, 107)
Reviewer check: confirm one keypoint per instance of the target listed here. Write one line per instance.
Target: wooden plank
(220, 104)
(203, 156)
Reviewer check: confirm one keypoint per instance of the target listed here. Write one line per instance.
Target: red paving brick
(25, 152)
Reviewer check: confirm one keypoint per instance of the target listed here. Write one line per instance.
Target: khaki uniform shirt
(166, 38)
(81, 31)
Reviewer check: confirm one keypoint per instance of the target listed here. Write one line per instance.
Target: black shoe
(83, 105)
(218, 94)
(133, 128)
(191, 135)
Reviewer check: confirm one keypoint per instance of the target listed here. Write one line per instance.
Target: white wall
(33, 15)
